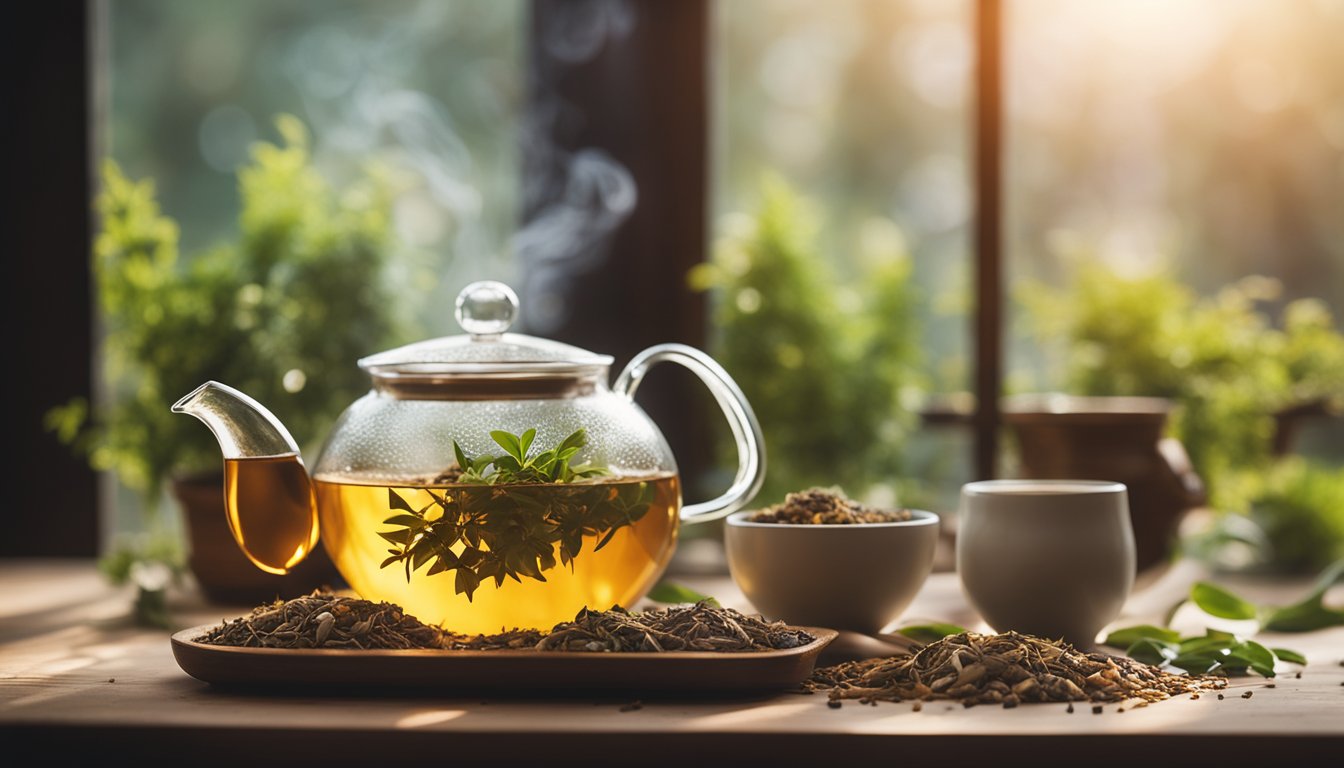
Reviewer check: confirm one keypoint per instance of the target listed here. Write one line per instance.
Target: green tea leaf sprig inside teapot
(505, 517)
(515, 466)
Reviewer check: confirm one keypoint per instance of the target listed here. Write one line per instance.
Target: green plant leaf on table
(1152, 650)
(1212, 651)
(1122, 638)
(1216, 601)
(1292, 657)
(1310, 613)
(929, 633)
(673, 593)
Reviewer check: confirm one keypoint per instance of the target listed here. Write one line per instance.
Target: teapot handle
(746, 430)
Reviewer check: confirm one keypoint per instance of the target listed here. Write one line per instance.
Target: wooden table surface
(76, 678)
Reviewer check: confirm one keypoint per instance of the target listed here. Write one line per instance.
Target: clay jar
(1117, 439)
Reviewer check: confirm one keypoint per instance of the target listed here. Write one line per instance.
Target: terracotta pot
(224, 573)
(1112, 438)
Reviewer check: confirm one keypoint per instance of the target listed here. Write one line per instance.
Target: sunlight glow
(429, 718)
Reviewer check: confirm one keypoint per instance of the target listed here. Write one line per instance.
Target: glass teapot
(487, 480)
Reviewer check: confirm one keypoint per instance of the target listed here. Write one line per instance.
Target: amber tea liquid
(353, 514)
(269, 502)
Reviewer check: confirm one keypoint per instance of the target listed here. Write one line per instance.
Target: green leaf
(509, 442)
(467, 582)
(1303, 618)
(576, 440)
(605, 539)
(397, 537)
(463, 463)
(1216, 601)
(1255, 655)
(673, 593)
(405, 521)
(1290, 656)
(1208, 642)
(1123, 638)
(1262, 670)
(394, 501)
(471, 557)
(1152, 651)
(1197, 664)
(1310, 613)
(928, 633)
(420, 556)
(526, 441)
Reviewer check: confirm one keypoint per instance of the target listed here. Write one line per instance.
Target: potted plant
(1238, 381)
(282, 312)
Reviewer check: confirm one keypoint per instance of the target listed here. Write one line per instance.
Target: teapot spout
(268, 495)
(244, 428)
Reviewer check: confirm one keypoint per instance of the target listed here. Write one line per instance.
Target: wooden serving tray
(522, 672)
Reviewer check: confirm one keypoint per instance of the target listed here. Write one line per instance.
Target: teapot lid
(485, 310)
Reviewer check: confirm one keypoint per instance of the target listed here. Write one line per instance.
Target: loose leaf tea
(505, 517)
(825, 506)
(324, 620)
(699, 627)
(1006, 669)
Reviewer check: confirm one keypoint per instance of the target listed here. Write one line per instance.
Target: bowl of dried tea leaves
(820, 558)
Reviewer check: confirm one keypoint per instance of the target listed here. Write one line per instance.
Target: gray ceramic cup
(1053, 558)
(859, 577)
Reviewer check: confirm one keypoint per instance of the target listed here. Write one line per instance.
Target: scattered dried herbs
(1005, 669)
(324, 620)
(698, 627)
(825, 506)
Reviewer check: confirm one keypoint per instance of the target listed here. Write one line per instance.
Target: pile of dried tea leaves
(325, 620)
(1007, 669)
(825, 506)
(699, 627)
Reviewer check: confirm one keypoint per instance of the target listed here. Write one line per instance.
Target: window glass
(1174, 176)
(842, 202)
(421, 96)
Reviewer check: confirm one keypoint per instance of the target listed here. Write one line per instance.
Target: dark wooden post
(989, 315)
(51, 506)
(616, 189)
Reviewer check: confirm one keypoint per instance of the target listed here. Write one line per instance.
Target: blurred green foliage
(825, 366)
(1229, 368)
(282, 313)
(1300, 508)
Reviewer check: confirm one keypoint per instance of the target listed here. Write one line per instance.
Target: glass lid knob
(487, 308)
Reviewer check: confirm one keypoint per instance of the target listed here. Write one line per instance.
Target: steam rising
(354, 78)
(579, 199)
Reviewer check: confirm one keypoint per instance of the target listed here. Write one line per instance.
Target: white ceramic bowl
(859, 577)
